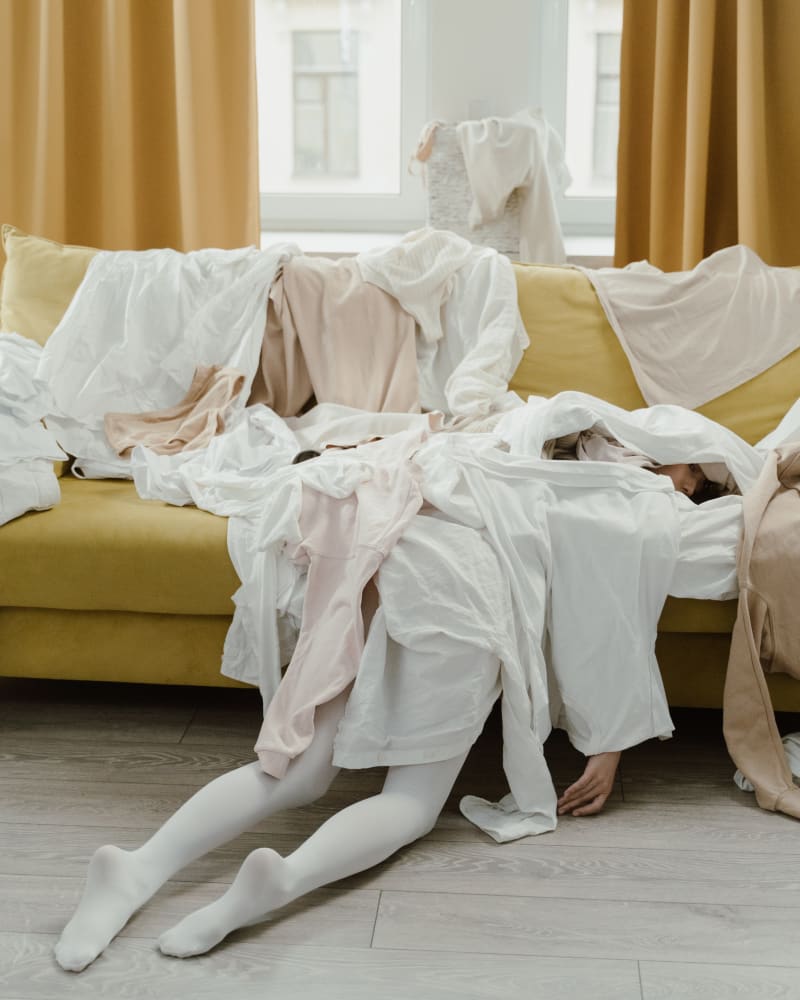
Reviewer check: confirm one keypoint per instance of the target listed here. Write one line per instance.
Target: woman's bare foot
(588, 794)
(116, 886)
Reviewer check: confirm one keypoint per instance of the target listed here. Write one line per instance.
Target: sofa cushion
(104, 549)
(40, 278)
(574, 347)
(572, 344)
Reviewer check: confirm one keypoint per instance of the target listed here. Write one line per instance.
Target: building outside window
(605, 129)
(340, 104)
(326, 110)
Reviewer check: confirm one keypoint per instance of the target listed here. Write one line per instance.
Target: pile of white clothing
(141, 323)
(27, 448)
(137, 329)
(464, 298)
(563, 582)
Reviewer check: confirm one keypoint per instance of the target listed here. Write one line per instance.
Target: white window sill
(590, 251)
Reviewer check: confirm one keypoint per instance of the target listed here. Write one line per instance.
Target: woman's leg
(119, 882)
(358, 837)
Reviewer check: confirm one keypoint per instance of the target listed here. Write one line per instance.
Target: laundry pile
(442, 516)
(27, 448)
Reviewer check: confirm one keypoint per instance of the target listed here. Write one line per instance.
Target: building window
(579, 54)
(342, 92)
(606, 109)
(325, 65)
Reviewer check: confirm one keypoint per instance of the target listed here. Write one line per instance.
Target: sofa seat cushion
(104, 549)
(683, 615)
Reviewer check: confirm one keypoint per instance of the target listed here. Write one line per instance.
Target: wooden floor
(682, 888)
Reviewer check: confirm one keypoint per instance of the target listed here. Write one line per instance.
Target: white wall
(481, 57)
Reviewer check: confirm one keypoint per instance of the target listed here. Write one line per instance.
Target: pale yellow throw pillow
(39, 280)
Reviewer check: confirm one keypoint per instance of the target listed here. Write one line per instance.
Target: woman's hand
(588, 794)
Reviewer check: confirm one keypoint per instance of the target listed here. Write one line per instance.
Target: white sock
(119, 882)
(358, 837)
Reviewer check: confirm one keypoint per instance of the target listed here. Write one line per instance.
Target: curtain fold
(129, 124)
(709, 147)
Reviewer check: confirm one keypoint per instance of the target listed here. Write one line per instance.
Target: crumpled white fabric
(598, 709)
(525, 153)
(547, 522)
(227, 477)
(667, 434)
(691, 336)
(334, 424)
(526, 509)
(418, 271)
(791, 747)
(138, 326)
(471, 333)
(27, 448)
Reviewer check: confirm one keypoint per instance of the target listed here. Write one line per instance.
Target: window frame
(583, 215)
(373, 212)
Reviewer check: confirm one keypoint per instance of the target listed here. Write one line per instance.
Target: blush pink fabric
(331, 333)
(344, 541)
(198, 417)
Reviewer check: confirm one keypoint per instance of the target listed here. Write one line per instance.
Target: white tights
(362, 835)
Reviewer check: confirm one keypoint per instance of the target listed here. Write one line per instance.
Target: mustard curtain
(129, 124)
(709, 148)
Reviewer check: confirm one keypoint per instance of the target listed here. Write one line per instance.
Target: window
(606, 111)
(579, 83)
(341, 104)
(325, 68)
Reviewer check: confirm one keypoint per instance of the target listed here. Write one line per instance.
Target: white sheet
(465, 299)
(691, 336)
(523, 153)
(137, 328)
(27, 448)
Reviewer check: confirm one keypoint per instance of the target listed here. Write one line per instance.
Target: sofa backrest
(572, 344)
(39, 280)
(573, 347)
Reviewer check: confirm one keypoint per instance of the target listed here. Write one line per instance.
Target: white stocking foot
(116, 886)
(260, 886)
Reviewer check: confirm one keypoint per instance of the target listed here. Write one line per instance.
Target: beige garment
(766, 636)
(332, 333)
(191, 424)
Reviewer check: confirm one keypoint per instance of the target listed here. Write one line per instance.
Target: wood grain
(682, 981)
(132, 969)
(682, 878)
(496, 924)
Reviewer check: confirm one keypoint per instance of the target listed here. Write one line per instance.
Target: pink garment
(344, 339)
(344, 542)
(190, 424)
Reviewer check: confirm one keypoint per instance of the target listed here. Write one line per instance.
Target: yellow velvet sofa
(107, 586)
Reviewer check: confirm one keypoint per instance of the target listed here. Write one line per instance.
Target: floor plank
(33, 849)
(593, 873)
(497, 924)
(254, 970)
(332, 917)
(682, 981)
(681, 877)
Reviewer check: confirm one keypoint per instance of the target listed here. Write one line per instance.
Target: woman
(366, 832)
